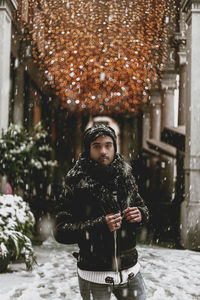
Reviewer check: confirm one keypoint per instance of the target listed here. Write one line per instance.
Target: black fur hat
(94, 132)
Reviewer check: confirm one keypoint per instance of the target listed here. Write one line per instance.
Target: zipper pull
(114, 196)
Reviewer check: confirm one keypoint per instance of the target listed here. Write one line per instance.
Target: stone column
(155, 113)
(168, 86)
(190, 209)
(18, 115)
(180, 186)
(145, 125)
(181, 39)
(24, 61)
(155, 126)
(182, 87)
(6, 8)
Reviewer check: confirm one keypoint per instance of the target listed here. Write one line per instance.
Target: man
(101, 210)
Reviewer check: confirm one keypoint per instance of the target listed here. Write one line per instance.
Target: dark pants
(133, 290)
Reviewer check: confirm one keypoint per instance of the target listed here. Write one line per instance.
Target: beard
(102, 172)
(104, 160)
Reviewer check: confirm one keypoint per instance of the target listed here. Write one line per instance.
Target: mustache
(103, 156)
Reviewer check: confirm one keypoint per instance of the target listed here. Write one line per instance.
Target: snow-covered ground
(168, 273)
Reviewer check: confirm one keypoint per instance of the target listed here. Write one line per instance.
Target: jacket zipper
(118, 272)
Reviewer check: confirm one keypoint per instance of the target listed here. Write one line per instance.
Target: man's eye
(108, 145)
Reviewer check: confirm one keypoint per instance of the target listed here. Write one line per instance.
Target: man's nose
(103, 150)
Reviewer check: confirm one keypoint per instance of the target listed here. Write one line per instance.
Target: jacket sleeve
(67, 229)
(136, 200)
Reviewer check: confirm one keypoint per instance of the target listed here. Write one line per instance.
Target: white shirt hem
(100, 276)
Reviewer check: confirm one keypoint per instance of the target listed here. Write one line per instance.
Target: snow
(168, 273)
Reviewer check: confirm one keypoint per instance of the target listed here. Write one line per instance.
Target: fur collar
(86, 166)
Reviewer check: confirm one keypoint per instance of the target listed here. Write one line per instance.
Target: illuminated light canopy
(102, 56)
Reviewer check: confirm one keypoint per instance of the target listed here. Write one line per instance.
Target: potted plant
(16, 231)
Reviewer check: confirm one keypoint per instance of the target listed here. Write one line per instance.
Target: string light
(101, 55)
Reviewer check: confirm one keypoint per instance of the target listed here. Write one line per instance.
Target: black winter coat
(88, 196)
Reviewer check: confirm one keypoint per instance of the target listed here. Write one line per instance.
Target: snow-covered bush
(25, 159)
(16, 229)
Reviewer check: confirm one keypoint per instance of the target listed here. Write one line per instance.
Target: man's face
(102, 150)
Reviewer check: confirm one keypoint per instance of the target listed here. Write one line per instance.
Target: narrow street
(169, 274)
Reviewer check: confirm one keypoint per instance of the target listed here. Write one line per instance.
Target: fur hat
(94, 132)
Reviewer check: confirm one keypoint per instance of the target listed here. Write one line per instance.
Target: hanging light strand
(102, 56)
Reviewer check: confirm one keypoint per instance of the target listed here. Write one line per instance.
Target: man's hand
(113, 221)
(132, 215)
